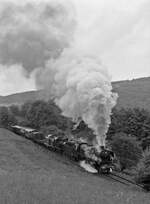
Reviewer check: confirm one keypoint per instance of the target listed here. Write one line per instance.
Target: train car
(35, 135)
(70, 149)
(24, 131)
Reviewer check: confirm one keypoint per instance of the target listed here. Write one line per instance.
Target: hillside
(20, 98)
(31, 174)
(132, 93)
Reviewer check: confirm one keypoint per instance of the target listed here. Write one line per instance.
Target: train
(101, 159)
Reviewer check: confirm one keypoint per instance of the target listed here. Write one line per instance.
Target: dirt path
(30, 174)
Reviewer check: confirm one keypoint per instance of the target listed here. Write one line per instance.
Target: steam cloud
(33, 32)
(37, 37)
(81, 87)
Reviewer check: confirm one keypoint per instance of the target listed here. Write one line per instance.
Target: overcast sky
(118, 31)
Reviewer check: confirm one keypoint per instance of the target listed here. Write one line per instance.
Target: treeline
(133, 122)
(128, 135)
(39, 115)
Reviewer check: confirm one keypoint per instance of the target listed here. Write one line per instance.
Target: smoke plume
(33, 32)
(38, 38)
(82, 88)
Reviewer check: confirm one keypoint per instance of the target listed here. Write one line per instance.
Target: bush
(127, 150)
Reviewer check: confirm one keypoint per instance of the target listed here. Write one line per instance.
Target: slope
(30, 174)
(133, 93)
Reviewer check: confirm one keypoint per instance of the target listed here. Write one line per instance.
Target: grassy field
(30, 174)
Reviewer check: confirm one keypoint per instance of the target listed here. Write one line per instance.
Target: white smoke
(34, 31)
(82, 88)
(39, 39)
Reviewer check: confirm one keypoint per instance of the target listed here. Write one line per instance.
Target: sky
(117, 31)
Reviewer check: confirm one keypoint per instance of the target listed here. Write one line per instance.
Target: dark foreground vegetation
(128, 135)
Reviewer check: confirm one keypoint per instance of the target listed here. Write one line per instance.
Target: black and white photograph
(74, 101)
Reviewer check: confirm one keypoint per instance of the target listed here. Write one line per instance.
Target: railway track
(121, 179)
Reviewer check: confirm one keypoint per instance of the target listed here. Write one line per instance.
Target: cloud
(117, 31)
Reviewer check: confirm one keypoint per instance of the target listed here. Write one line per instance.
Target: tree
(6, 118)
(127, 150)
(135, 122)
(143, 169)
(15, 110)
(145, 143)
(24, 108)
(41, 113)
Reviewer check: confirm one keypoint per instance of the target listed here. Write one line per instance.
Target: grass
(30, 174)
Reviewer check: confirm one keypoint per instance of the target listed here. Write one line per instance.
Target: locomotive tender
(102, 161)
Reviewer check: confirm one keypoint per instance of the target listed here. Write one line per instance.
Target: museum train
(102, 160)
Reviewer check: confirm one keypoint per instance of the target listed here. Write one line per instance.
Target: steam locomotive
(102, 160)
